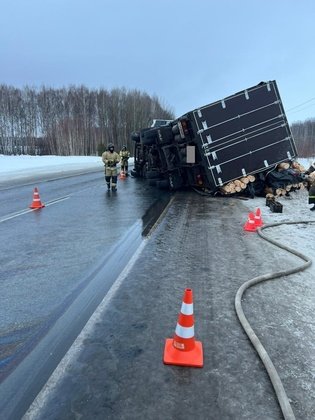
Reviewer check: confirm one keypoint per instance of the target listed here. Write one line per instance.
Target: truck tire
(175, 129)
(175, 180)
(149, 137)
(135, 137)
(165, 135)
(178, 139)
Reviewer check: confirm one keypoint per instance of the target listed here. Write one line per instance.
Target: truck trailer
(243, 136)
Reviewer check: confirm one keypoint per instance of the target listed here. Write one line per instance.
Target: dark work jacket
(311, 194)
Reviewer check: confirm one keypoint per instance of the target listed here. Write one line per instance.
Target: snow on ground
(16, 167)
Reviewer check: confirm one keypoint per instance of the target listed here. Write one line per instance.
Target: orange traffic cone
(122, 175)
(183, 350)
(36, 204)
(258, 218)
(250, 225)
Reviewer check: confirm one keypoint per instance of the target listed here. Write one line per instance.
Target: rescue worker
(311, 169)
(124, 156)
(311, 192)
(110, 159)
(310, 177)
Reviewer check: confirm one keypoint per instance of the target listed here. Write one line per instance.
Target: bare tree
(304, 136)
(73, 120)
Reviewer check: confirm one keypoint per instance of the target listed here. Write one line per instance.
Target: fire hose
(271, 370)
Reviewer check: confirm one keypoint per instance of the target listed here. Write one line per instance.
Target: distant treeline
(73, 120)
(76, 120)
(304, 135)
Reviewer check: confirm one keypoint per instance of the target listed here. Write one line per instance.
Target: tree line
(76, 120)
(73, 120)
(304, 135)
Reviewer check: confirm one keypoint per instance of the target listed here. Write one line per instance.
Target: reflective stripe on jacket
(124, 154)
(110, 159)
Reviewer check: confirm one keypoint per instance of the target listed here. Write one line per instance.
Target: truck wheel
(175, 129)
(178, 139)
(149, 137)
(135, 137)
(165, 135)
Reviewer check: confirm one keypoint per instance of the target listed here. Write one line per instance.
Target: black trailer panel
(207, 148)
(243, 134)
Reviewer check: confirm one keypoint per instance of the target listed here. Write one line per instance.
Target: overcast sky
(187, 52)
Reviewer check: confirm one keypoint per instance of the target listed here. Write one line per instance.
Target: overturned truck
(234, 145)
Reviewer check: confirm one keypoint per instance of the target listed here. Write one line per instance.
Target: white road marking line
(20, 213)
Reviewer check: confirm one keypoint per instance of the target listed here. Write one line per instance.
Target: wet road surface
(115, 369)
(57, 264)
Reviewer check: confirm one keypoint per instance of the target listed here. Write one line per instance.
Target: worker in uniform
(310, 177)
(311, 192)
(310, 169)
(110, 159)
(124, 156)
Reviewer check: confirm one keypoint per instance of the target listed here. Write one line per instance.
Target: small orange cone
(258, 218)
(183, 350)
(250, 225)
(36, 204)
(122, 175)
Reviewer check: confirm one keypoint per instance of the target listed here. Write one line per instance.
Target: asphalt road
(114, 370)
(57, 264)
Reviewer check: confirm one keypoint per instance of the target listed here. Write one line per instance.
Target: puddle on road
(14, 344)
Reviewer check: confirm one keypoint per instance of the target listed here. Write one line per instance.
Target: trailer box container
(242, 134)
